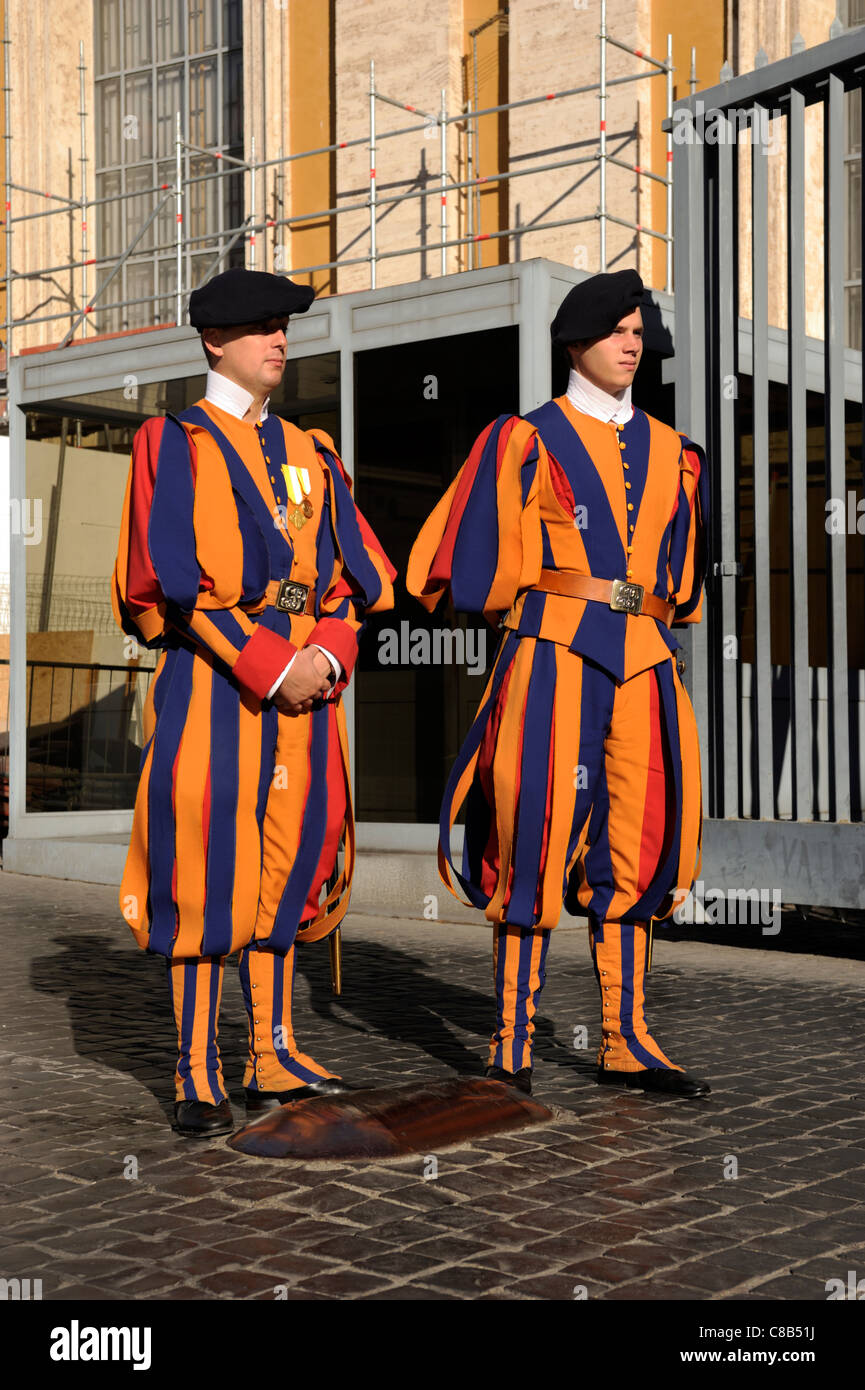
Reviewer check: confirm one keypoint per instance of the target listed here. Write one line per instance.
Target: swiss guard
(581, 530)
(245, 563)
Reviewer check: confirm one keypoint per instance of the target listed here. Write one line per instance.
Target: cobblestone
(628, 1196)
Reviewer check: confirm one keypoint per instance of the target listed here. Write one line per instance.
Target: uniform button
(625, 465)
(273, 480)
(627, 484)
(266, 459)
(628, 573)
(621, 443)
(630, 506)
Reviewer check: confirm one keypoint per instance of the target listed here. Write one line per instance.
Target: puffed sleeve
(483, 539)
(158, 582)
(355, 576)
(690, 535)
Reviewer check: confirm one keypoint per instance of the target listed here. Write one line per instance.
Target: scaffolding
(466, 124)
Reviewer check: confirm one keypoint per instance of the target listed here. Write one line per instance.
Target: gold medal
(298, 517)
(307, 508)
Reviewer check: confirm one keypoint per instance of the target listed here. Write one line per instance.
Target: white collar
(224, 393)
(585, 396)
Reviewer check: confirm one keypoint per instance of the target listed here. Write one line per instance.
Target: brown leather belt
(289, 597)
(621, 595)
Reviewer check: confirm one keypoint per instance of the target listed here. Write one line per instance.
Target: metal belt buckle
(626, 597)
(291, 597)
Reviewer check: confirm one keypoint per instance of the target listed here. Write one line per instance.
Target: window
(153, 59)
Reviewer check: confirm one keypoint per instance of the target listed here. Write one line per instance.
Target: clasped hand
(309, 679)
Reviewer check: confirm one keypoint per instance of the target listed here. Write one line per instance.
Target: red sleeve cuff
(340, 639)
(262, 659)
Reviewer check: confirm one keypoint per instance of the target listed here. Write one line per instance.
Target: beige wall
(44, 106)
(290, 50)
(773, 29)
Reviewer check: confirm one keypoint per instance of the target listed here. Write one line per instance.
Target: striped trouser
(519, 957)
(619, 956)
(274, 1062)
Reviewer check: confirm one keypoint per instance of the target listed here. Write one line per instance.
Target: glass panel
(139, 285)
(166, 222)
(232, 79)
(109, 221)
(108, 122)
(138, 118)
(139, 208)
(203, 199)
(412, 717)
(232, 21)
(169, 29)
(139, 26)
(203, 103)
(165, 309)
(84, 690)
(854, 221)
(203, 25)
(853, 102)
(169, 100)
(106, 35)
(854, 317)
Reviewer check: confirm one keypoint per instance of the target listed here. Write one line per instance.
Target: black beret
(594, 307)
(246, 296)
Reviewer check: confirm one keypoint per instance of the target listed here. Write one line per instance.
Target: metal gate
(767, 224)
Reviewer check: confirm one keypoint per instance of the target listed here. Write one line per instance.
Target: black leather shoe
(521, 1079)
(199, 1118)
(660, 1080)
(268, 1100)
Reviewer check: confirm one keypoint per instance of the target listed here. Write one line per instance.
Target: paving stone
(622, 1193)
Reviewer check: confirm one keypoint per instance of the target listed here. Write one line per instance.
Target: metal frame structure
(826, 863)
(251, 225)
(524, 295)
(712, 346)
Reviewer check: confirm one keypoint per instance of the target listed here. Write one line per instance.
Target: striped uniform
(239, 810)
(580, 776)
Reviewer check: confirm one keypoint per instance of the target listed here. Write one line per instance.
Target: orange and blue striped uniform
(239, 810)
(580, 776)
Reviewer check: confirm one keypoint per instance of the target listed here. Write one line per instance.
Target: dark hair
(211, 360)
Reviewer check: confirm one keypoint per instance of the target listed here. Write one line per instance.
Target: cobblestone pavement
(627, 1196)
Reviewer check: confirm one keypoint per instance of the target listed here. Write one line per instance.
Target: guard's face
(251, 354)
(611, 362)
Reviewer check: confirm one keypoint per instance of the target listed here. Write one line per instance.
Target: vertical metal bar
(470, 201)
(602, 152)
(723, 391)
(19, 719)
(178, 209)
(692, 75)
(836, 482)
(535, 348)
(668, 227)
(342, 333)
(691, 416)
(476, 192)
(800, 694)
(7, 140)
(252, 212)
(761, 675)
(443, 129)
(83, 161)
(372, 262)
